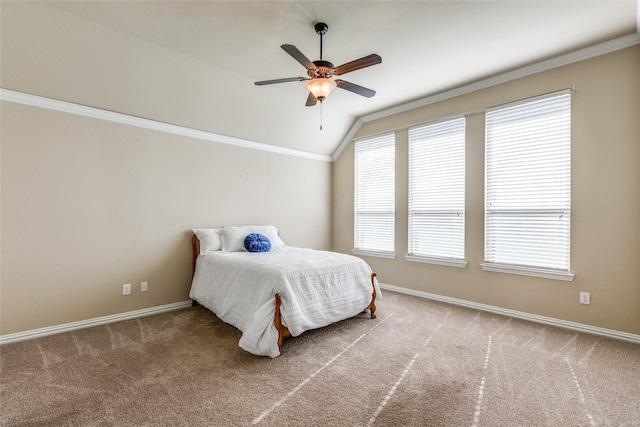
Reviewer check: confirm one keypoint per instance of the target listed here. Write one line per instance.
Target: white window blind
(437, 189)
(374, 222)
(528, 183)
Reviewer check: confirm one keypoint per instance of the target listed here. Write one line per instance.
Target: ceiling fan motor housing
(324, 69)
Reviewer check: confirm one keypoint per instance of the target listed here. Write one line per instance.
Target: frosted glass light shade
(320, 87)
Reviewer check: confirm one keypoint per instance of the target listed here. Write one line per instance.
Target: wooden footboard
(283, 331)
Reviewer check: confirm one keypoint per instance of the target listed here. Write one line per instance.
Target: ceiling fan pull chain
(320, 115)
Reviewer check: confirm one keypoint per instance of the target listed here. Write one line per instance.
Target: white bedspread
(317, 288)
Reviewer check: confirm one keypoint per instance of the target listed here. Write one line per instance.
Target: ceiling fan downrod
(321, 29)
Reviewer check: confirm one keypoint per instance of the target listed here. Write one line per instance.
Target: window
(374, 222)
(436, 192)
(528, 187)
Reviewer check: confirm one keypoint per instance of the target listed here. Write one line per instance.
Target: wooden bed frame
(283, 331)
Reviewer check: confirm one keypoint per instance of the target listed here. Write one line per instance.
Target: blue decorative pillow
(256, 242)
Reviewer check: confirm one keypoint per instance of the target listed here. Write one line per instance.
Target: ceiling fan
(320, 82)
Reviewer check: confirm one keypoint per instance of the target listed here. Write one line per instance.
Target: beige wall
(605, 231)
(88, 205)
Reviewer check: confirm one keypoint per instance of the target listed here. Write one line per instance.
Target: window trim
(528, 271)
(449, 262)
(376, 254)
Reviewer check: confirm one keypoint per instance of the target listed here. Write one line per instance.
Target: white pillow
(209, 239)
(233, 237)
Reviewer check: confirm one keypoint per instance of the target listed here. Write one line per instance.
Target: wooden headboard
(195, 243)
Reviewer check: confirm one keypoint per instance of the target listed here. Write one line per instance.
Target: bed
(278, 292)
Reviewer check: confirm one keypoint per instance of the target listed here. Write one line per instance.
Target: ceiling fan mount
(320, 72)
(321, 28)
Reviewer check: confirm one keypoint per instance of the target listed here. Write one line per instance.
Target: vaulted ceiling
(426, 47)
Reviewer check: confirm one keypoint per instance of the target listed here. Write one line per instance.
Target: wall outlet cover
(585, 298)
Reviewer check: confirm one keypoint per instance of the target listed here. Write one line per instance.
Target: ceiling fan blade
(289, 79)
(298, 56)
(352, 87)
(363, 62)
(311, 100)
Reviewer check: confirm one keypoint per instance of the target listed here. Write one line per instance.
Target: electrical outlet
(585, 298)
(143, 286)
(126, 289)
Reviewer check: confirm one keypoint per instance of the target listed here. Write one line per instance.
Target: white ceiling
(426, 46)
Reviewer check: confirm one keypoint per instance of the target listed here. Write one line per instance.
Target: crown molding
(111, 116)
(83, 110)
(549, 64)
(347, 139)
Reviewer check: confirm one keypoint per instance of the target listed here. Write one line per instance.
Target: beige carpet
(420, 363)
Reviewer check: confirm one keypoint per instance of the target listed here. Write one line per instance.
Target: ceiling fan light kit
(320, 82)
(320, 87)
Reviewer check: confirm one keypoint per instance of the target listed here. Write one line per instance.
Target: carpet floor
(420, 363)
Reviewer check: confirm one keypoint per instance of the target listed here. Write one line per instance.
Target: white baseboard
(625, 336)
(50, 330)
(35, 333)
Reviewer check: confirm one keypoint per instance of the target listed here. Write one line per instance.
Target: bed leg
(372, 305)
